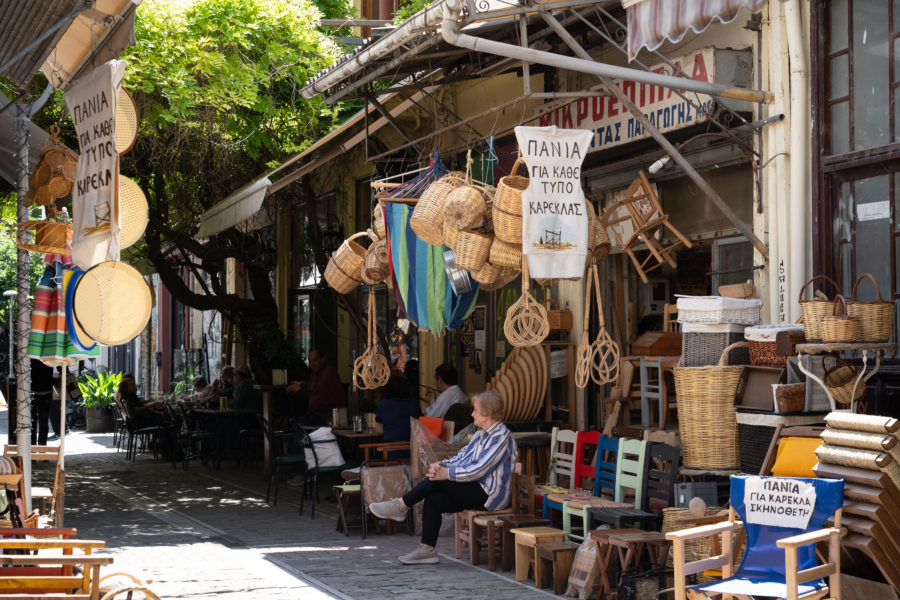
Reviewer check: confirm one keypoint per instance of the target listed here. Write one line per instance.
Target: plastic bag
(326, 449)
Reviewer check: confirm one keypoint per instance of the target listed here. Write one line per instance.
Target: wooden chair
(779, 561)
(577, 472)
(379, 482)
(624, 393)
(37, 573)
(561, 471)
(39, 453)
(670, 318)
(641, 210)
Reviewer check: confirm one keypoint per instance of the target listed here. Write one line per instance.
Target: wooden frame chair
(40, 574)
(765, 571)
(643, 211)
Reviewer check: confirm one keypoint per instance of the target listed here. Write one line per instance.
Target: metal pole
(23, 325)
(10, 294)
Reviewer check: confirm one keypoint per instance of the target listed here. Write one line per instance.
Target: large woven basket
(877, 316)
(840, 381)
(427, 220)
(841, 328)
(472, 250)
(706, 412)
(507, 207)
(813, 310)
(762, 339)
(506, 254)
(465, 205)
(344, 267)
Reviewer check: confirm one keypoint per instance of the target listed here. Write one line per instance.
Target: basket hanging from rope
(53, 175)
(507, 206)
(343, 270)
(427, 220)
(371, 370)
(49, 237)
(526, 320)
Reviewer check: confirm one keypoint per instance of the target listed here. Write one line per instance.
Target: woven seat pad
(592, 501)
(485, 519)
(545, 490)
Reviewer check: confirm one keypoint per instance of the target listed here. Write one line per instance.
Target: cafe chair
(780, 555)
(315, 463)
(379, 482)
(276, 441)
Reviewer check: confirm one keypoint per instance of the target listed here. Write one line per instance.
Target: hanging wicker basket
(472, 250)
(427, 220)
(450, 235)
(506, 254)
(343, 270)
(47, 237)
(813, 310)
(465, 205)
(876, 317)
(841, 380)
(597, 238)
(507, 206)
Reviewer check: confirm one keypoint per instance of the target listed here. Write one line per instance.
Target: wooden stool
(630, 547)
(345, 495)
(606, 552)
(618, 518)
(508, 542)
(469, 525)
(556, 562)
(527, 541)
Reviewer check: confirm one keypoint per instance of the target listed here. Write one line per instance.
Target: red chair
(585, 461)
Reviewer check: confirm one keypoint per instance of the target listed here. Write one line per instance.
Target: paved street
(205, 533)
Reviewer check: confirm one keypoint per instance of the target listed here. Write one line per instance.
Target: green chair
(275, 439)
(631, 470)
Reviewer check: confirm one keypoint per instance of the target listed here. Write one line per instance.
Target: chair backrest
(643, 205)
(586, 447)
(523, 493)
(631, 470)
(37, 452)
(662, 471)
(670, 317)
(792, 451)
(562, 457)
(380, 483)
(275, 445)
(762, 559)
(605, 473)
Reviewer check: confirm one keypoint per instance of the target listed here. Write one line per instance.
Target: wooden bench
(46, 572)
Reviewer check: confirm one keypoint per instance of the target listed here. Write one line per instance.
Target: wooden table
(527, 541)
(350, 440)
(605, 555)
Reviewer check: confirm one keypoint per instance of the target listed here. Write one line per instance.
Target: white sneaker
(420, 556)
(389, 509)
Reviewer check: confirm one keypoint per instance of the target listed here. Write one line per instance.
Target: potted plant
(98, 397)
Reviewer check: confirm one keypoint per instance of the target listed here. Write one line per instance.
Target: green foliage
(409, 9)
(99, 391)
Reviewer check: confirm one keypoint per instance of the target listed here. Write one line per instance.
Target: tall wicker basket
(507, 207)
(876, 317)
(706, 415)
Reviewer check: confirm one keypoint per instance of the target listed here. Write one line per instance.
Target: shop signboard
(612, 124)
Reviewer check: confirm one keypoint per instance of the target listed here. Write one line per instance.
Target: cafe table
(227, 424)
(350, 441)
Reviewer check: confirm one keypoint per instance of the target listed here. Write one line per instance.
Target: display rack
(864, 348)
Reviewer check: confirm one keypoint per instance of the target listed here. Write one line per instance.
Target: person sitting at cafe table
(322, 392)
(145, 414)
(224, 385)
(244, 396)
(450, 393)
(203, 392)
(395, 409)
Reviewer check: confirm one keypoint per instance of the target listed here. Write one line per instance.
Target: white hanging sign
(779, 502)
(92, 104)
(554, 216)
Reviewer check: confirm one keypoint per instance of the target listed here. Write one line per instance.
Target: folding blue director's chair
(779, 561)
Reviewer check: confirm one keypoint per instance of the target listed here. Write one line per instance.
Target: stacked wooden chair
(864, 451)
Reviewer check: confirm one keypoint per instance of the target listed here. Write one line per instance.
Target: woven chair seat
(488, 519)
(648, 227)
(591, 501)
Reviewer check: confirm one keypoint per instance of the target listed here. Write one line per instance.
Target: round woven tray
(112, 303)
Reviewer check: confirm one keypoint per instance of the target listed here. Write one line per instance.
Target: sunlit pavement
(208, 533)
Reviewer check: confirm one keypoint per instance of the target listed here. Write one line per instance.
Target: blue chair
(607, 449)
(779, 560)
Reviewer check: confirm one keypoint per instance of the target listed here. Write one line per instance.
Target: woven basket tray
(717, 309)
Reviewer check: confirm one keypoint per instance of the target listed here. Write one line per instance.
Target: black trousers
(443, 497)
(40, 418)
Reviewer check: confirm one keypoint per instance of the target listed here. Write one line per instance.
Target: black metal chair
(201, 438)
(312, 467)
(143, 427)
(279, 457)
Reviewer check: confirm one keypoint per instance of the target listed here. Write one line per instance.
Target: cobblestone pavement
(208, 533)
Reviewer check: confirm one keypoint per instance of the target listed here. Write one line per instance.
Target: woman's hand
(438, 472)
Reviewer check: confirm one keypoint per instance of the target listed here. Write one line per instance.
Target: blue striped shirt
(490, 459)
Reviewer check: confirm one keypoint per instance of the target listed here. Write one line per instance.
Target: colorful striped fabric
(652, 22)
(49, 340)
(420, 282)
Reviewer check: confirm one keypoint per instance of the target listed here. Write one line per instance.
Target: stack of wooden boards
(863, 450)
(522, 381)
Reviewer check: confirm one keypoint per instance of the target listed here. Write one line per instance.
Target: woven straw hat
(126, 121)
(112, 303)
(133, 211)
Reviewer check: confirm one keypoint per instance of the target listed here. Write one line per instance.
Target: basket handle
(597, 290)
(373, 236)
(837, 365)
(836, 286)
(843, 303)
(725, 352)
(515, 167)
(875, 283)
(356, 235)
(550, 303)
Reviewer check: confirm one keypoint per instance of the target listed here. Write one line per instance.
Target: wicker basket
(344, 266)
(450, 235)
(507, 207)
(465, 206)
(877, 317)
(597, 237)
(706, 414)
(49, 237)
(472, 250)
(505, 254)
(813, 310)
(427, 220)
(762, 339)
(718, 309)
(841, 328)
(840, 381)
(375, 267)
(488, 274)
(506, 277)
(703, 348)
(560, 320)
(378, 225)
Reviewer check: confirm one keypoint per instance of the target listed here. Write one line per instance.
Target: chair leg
(269, 481)
(474, 540)
(275, 496)
(458, 530)
(303, 492)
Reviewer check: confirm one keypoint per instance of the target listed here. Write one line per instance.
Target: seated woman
(203, 392)
(144, 414)
(478, 478)
(396, 408)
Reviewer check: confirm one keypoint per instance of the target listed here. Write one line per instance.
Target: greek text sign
(779, 501)
(612, 124)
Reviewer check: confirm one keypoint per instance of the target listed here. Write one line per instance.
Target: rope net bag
(526, 320)
(371, 370)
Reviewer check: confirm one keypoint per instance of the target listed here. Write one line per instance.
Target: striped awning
(652, 22)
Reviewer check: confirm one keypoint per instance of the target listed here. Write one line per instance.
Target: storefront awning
(238, 207)
(652, 22)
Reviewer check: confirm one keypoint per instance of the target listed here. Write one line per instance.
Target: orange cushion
(796, 457)
(434, 424)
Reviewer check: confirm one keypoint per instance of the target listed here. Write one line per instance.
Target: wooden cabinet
(559, 396)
